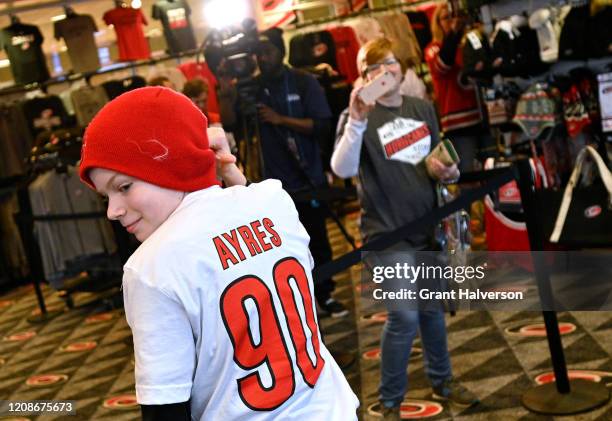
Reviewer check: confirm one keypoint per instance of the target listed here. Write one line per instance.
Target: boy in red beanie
(219, 293)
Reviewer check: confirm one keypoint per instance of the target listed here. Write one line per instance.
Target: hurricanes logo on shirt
(177, 18)
(405, 140)
(23, 41)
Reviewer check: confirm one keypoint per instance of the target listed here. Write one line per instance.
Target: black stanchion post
(563, 396)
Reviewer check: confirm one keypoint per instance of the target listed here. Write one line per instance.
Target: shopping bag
(582, 215)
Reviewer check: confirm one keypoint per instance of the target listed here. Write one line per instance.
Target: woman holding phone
(389, 144)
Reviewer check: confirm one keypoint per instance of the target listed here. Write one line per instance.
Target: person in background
(396, 187)
(412, 85)
(293, 112)
(161, 81)
(455, 94)
(197, 91)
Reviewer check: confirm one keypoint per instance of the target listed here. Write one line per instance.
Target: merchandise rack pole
(563, 396)
(26, 227)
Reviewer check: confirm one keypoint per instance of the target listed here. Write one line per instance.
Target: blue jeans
(398, 333)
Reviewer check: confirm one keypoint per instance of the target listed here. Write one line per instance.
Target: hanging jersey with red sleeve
(220, 302)
(195, 70)
(347, 47)
(128, 24)
(456, 100)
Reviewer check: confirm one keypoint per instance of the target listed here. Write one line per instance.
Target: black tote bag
(579, 216)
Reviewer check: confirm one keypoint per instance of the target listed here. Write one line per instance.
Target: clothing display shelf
(14, 9)
(500, 9)
(116, 67)
(405, 7)
(25, 220)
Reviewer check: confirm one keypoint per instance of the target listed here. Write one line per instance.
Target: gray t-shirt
(78, 33)
(395, 188)
(87, 101)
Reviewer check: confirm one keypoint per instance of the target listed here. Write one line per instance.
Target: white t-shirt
(220, 302)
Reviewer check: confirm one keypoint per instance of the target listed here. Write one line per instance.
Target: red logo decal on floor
(20, 336)
(99, 318)
(37, 312)
(538, 329)
(121, 402)
(374, 354)
(411, 409)
(46, 379)
(591, 375)
(6, 303)
(79, 346)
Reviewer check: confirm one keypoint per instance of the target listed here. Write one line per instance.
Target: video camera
(230, 52)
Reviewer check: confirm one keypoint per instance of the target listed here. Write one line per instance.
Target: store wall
(105, 38)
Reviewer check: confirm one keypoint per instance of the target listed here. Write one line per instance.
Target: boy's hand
(226, 162)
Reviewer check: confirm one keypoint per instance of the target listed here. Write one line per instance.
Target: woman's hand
(358, 109)
(438, 171)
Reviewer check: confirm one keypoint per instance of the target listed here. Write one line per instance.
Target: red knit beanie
(154, 134)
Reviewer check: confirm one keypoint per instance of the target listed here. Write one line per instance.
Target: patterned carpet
(85, 354)
(492, 354)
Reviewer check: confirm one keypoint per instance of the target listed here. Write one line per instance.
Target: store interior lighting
(225, 13)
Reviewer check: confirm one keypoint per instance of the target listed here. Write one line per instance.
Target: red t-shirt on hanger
(193, 70)
(128, 24)
(347, 47)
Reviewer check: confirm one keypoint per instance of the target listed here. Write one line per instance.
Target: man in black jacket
(293, 113)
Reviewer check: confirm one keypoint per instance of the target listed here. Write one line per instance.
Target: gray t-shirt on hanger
(87, 101)
(78, 33)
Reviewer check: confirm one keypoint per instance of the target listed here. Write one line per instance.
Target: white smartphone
(377, 88)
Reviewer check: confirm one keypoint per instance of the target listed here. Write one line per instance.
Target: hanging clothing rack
(363, 12)
(86, 76)
(10, 9)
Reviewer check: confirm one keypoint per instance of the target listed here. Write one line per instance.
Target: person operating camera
(292, 115)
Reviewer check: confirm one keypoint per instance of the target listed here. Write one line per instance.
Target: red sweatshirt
(456, 102)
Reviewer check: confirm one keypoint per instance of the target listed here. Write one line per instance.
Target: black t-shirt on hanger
(45, 113)
(114, 88)
(311, 49)
(22, 44)
(174, 15)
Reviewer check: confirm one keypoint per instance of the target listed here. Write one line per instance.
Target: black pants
(313, 219)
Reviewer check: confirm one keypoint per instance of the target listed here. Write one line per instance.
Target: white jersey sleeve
(162, 336)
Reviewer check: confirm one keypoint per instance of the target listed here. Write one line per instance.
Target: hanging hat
(535, 111)
(476, 52)
(541, 21)
(574, 41)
